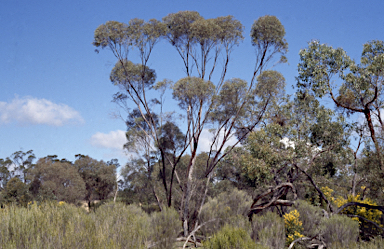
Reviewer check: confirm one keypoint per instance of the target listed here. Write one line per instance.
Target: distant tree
(53, 179)
(99, 177)
(16, 191)
(5, 172)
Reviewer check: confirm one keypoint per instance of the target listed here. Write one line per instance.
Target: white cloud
(29, 110)
(206, 139)
(112, 140)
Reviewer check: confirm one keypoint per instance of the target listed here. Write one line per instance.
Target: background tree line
(23, 180)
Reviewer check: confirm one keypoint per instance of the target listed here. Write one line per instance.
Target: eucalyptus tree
(5, 171)
(354, 88)
(55, 179)
(299, 142)
(99, 177)
(205, 47)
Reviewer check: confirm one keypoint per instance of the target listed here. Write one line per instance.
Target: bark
(367, 114)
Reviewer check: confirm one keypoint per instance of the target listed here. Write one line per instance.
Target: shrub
(366, 228)
(165, 226)
(310, 217)
(231, 238)
(293, 226)
(269, 230)
(376, 243)
(339, 229)
(227, 208)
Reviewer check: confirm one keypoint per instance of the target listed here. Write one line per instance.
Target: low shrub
(231, 238)
(310, 217)
(269, 230)
(339, 229)
(165, 226)
(227, 208)
(376, 243)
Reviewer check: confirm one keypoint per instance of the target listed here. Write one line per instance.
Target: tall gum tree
(354, 88)
(205, 47)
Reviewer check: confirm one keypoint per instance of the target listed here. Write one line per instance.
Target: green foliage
(231, 238)
(232, 93)
(179, 26)
(375, 243)
(98, 176)
(270, 83)
(339, 229)
(267, 34)
(56, 180)
(165, 227)
(269, 230)
(192, 92)
(16, 192)
(268, 30)
(132, 77)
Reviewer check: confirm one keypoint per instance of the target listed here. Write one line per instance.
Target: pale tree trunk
(188, 191)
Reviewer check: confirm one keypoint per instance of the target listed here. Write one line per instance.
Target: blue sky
(55, 95)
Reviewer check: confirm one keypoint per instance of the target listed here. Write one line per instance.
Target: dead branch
(317, 188)
(381, 208)
(278, 192)
(194, 231)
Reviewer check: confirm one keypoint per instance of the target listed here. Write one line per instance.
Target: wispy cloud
(111, 140)
(29, 110)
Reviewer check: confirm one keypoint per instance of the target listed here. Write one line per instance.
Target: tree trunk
(368, 117)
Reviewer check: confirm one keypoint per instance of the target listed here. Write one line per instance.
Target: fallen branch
(278, 191)
(381, 208)
(194, 231)
(319, 243)
(298, 240)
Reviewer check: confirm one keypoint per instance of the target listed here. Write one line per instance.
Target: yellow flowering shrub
(293, 226)
(370, 214)
(328, 193)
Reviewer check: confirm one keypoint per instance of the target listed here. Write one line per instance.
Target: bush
(339, 229)
(293, 226)
(231, 238)
(310, 217)
(376, 243)
(165, 226)
(227, 208)
(269, 230)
